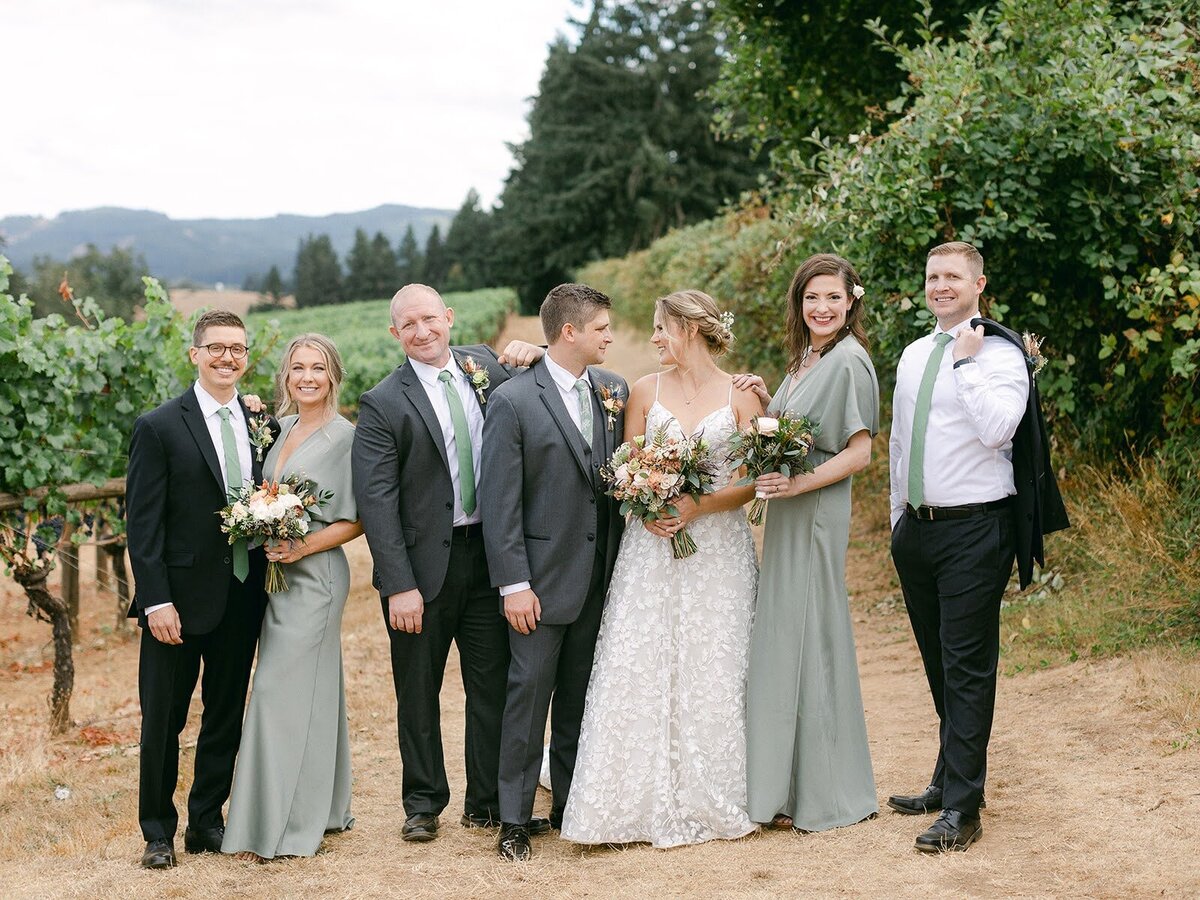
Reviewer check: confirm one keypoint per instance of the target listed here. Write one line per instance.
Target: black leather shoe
(951, 830)
(556, 816)
(203, 840)
(929, 800)
(471, 820)
(420, 828)
(514, 843)
(542, 825)
(158, 855)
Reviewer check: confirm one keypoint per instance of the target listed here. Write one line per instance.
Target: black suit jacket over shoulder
(1040, 508)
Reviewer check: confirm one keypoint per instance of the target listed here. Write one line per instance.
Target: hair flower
(726, 320)
(858, 290)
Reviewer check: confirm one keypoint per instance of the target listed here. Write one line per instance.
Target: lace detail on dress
(662, 752)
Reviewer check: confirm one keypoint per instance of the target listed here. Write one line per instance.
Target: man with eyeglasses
(197, 598)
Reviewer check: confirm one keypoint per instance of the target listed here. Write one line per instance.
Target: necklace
(805, 355)
(699, 388)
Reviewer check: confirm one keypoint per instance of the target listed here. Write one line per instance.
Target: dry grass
(1092, 792)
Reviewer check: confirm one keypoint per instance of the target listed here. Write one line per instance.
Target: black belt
(466, 532)
(966, 511)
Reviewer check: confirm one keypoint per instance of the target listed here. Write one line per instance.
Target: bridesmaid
(292, 782)
(808, 765)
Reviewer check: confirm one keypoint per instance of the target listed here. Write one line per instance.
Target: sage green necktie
(462, 443)
(916, 452)
(585, 410)
(234, 480)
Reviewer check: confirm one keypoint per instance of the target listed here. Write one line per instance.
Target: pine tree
(469, 247)
(318, 276)
(436, 263)
(358, 268)
(410, 264)
(272, 284)
(385, 270)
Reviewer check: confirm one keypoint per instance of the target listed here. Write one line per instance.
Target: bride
(662, 752)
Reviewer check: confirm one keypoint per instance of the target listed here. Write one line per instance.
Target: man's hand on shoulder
(164, 624)
(405, 610)
(521, 353)
(523, 610)
(968, 343)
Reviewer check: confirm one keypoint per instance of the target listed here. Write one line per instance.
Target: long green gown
(806, 745)
(292, 781)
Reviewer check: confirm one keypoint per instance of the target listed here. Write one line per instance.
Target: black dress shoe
(203, 840)
(542, 825)
(514, 842)
(472, 820)
(951, 830)
(420, 828)
(556, 817)
(929, 800)
(158, 855)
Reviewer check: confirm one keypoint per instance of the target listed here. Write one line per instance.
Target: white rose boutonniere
(261, 435)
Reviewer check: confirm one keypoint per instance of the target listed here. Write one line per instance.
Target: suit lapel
(459, 356)
(415, 391)
(194, 419)
(554, 403)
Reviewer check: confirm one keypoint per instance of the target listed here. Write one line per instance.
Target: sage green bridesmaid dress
(292, 780)
(806, 745)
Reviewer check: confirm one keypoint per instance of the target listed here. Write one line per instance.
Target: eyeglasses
(216, 351)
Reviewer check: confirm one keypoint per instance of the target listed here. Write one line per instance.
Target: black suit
(174, 490)
(1039, 507)
(405, 498)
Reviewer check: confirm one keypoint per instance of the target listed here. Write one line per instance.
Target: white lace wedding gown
(662, 751)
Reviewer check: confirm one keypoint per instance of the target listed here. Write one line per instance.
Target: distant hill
(205, 251)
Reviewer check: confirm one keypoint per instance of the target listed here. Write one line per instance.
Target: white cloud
(253, 107)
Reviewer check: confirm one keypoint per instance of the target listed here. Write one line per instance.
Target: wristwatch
(963, 361)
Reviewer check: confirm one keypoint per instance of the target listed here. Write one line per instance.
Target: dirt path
(1094, 786)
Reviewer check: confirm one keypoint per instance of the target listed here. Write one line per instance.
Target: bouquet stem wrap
(780, 445)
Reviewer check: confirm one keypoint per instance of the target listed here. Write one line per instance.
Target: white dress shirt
(436, 392)
(565, 382)
(973, 416)
(241, 434)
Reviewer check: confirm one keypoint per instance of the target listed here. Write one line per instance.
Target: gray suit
(405, 499)
(546, 520)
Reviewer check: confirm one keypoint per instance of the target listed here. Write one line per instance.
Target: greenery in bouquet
(272, 511)
(650, 472)
(771, 444)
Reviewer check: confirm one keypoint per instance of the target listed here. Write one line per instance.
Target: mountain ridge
(205, 251)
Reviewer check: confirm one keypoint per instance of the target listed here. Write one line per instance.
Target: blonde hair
(960, 248)
(284, 402)
(697, 307)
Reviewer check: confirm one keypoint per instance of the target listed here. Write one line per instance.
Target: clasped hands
(669, 526)
(288, 551)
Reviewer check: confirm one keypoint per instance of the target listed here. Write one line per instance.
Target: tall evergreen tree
(272, 284)
(358, 268)
(436, 264)
(469, 247)
(620, 146)
(385, 270)
(409, 261)
(318, 276)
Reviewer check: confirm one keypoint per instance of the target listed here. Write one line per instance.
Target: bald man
(416, 462)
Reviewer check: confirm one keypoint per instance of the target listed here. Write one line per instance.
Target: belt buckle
(927, 515)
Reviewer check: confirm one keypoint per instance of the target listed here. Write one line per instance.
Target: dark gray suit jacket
(541, 490)
(402, 478)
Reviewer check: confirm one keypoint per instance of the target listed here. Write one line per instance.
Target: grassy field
(360, 330)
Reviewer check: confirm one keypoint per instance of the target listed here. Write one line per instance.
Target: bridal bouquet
(273, 511)
(772, 445)
(648, 473)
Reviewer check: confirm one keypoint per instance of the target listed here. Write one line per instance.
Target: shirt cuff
(507, 589)
(155, 607)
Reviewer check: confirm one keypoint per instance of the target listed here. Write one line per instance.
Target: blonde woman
(662, 751)
(292, 782)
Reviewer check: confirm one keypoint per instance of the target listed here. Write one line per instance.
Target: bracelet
(964, 361)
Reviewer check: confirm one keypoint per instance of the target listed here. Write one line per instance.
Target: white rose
(302, 526)
(765, 425)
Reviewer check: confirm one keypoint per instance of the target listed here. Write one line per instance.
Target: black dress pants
(467, 612)
(167, 675)
(953, 573)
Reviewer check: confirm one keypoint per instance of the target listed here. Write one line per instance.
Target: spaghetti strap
(657, 385)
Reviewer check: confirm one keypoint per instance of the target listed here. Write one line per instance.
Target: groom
(552, 537)
(197, 598)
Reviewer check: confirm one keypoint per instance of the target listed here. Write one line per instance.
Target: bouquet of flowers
(273, 511)
(649, 472)
(772, 445)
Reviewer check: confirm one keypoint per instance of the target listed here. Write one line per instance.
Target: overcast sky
(248, 108)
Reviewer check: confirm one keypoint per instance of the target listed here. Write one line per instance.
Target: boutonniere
(1033, 352)
(261, 435)
(612, 401)
(477, 375)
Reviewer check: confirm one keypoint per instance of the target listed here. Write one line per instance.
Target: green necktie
(462, 443)
(233, 477)
(916, 452)
(585, 410)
